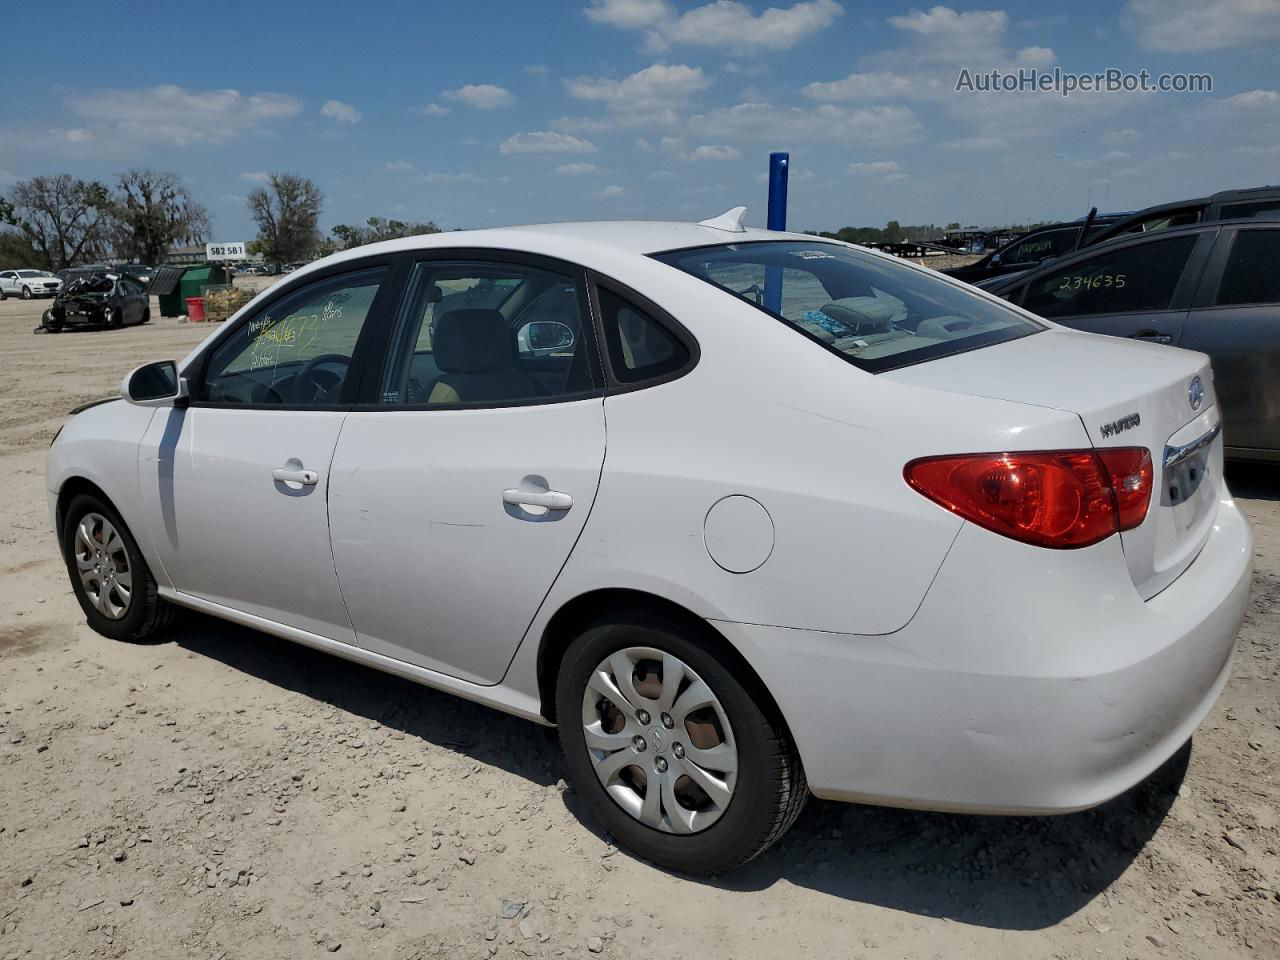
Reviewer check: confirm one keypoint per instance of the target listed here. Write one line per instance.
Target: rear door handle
(289, 475)
(551, 499)
(1151, 336)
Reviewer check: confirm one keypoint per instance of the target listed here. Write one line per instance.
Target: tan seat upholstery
(476, 356)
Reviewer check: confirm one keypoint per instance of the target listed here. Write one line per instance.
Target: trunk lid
(1126, 394)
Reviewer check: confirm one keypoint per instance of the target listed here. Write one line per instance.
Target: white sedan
(28, 283)
(747, 515)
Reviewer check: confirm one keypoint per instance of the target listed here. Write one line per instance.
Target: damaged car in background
(97, 300)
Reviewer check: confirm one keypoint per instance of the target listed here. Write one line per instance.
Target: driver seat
(476, 356)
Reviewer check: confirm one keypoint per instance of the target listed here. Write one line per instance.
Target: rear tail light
(1061, 499)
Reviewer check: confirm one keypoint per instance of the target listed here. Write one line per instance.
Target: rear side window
(1040, 246)
(1252, 274)
(1142, 277)
(1257, 209)
(875, 312)
(640, 348)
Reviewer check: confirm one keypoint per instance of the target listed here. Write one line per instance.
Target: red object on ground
(195, 309)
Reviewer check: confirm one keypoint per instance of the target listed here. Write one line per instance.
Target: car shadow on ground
(1254, 481)
(439, 719)
(1015, 873)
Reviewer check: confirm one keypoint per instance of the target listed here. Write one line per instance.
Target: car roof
(640, 237)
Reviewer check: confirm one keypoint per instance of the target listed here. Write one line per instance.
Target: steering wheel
(307, 376)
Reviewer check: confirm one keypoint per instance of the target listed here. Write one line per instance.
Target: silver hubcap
(103, 564)
(659, 740)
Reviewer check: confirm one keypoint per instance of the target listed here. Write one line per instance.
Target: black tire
(115, 319)
(147, 612)
(50, 325)
(771, 789)
(26, 293)
(3, 294)
(146, 316)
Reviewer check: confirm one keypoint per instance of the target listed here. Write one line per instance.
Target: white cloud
(711, 151)
(1035, 57)
(942, 35)
(545, 141)
(342, 112)
(1186, 25)
(482, 96)
(723, 24)
(628, 14)
(875, 126)
(449, 178)
(173, 114)
(578, 169)
(434, 110)
(75, 135)
(1255, 99)
(862, 86)
(662, 175)
(398, 165)
(256, 176)
(974, 144)
(658, 82)
(873, 168)
(647, 97)
(613, 190)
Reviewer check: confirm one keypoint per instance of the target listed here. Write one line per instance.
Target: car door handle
(289, 475)
(551, 499)
(1151, 336)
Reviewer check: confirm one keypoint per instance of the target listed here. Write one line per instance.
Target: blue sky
(487, 113)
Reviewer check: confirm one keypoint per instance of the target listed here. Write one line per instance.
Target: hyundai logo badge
(1195, 393)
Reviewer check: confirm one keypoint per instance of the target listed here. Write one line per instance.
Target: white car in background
(748, 515)
(28, 283)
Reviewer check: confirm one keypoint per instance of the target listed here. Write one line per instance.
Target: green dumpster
(172, 285)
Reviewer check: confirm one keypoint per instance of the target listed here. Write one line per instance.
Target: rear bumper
(1026, 683)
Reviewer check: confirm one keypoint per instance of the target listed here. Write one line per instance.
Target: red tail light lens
(1061, 499)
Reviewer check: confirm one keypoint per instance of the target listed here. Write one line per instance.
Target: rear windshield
(875, 313)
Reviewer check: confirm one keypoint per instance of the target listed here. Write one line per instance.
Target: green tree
(378, 228)
(64, 220)
(153, 211)
(287, 211)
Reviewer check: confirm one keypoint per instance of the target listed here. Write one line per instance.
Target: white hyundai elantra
(747, 515)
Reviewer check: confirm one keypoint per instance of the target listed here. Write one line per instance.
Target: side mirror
(544, 336)
(155, 385)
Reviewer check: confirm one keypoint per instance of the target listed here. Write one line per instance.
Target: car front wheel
(26, 293)
(684, 763)
(108, 574)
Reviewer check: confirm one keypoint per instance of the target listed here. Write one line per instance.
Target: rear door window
(1040, 246)
(1252, 274)
(875, 312)
(1125, 280)
(640, 347)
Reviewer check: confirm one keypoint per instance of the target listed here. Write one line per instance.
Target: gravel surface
(223, 794)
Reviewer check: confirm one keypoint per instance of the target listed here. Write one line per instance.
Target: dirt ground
(223, 794)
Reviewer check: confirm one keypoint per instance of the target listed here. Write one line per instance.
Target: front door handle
(1151, 336)
(307, 478)
(550, 499)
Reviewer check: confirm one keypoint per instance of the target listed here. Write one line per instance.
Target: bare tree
(286, 211)
(378, 228)
(153, 211)
(64, 219)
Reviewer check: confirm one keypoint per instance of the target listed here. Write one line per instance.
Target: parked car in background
(28, 283)
(98, 299)
(421, 425)
(1254, 203)
(1033, 248)
(1212, 287)
(139, 272)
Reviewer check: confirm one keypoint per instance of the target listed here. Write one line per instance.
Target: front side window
(298, 350)
(1040, 246)
(489, 333)
(877, 313)
(1124, 280)
(1251, 275)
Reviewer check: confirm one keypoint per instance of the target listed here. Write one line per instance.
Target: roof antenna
(730, 221)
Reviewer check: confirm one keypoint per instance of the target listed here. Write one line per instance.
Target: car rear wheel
(683, 762)
(146, 316)
(26, 293)
(110, 578)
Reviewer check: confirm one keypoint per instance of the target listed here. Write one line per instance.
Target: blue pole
(778, 166)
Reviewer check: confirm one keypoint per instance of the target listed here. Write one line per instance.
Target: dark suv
(1033, 248)
(1255, 203)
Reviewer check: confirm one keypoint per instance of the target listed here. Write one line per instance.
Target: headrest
(472, 340)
